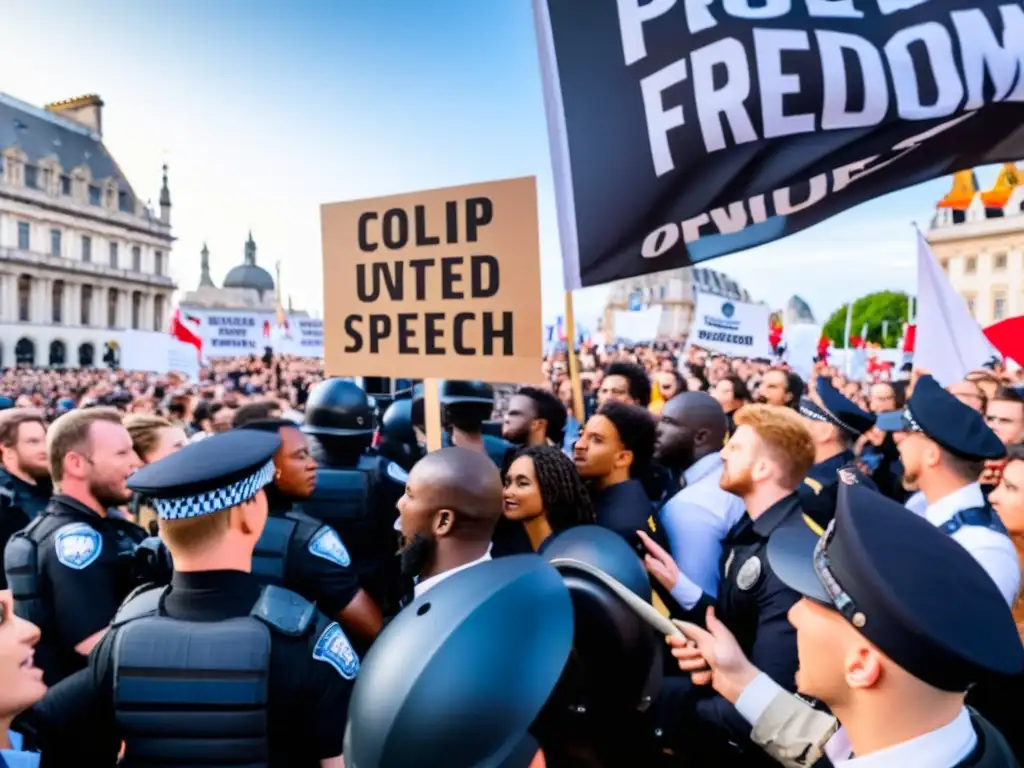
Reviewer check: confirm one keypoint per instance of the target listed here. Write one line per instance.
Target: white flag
(950, 343)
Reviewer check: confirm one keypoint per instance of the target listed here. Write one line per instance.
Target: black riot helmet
(460, 674)
(338, 408)
(417, 406)
(398, 440)
(466, 404)
(615, 648)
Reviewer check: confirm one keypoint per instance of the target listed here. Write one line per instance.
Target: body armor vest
(190, 693)
(24, 576)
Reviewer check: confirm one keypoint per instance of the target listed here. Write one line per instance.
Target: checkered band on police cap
(208, 502)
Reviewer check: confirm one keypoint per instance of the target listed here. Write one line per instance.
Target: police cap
(338, 408)
(941, 417)
(454, 392)
(906, 586)
(204, 477)
(458, 677)
(836, 409)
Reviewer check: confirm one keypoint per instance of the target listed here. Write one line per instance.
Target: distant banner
(683, 131)
(730, 327)
(230, 333)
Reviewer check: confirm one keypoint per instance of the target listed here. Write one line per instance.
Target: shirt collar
(437, 578)
(702, 468)
(776, 514)
(948, 745)
(965, 498)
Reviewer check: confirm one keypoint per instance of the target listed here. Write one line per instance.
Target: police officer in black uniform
(214, 669)
(507, 624)
(71, 568)
(23, 493)
(398, 441)
(300, 552)
(844, 422)
(356, 491)
(465, 406)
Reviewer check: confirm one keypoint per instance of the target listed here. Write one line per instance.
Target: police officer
(71, 568)
(25, 486)
(300, 552)
(894, 618)
(465, 406)
(426, 716)
(398, 440)
(943, 445)
(214, 669)
(356, 492)
(835, 424)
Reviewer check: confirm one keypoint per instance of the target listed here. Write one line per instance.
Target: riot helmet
(398, 441)
(465, 404)
(338, 408)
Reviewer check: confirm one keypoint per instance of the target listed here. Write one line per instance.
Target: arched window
(136, 310)
(86, 353)
(158, 313)
(57, 353)
(86, 318)
(57, 303)
(24, 298)
(25, 352)
(112, 308)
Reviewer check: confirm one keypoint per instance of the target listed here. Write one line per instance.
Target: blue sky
(265, 110)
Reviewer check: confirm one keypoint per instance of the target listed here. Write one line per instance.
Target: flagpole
(846, 337)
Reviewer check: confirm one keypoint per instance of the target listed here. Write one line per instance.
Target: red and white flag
(181, 331)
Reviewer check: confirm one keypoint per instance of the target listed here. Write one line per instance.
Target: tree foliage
(873, 309)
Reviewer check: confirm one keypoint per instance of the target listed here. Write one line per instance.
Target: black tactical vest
(190, 693)
(270, 558)
(24, 576)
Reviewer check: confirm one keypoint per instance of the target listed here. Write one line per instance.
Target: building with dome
(246, 286)
(978, 239)
(798, 312)
(675, 291)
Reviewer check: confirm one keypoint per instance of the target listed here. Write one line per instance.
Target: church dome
(248, 274)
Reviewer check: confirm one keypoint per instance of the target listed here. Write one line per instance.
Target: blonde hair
(785, 437)
(190, 535)
(144, 429)
(70, 432)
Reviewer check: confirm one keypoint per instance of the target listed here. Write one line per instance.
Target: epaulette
(285, 611)
(813, 484)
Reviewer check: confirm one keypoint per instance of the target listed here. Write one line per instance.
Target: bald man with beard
(447, 515)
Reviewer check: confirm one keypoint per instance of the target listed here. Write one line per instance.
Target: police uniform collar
(70, 502)
(777, 514)
(204, 580)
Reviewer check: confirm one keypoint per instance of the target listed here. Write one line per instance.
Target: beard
(108, 494)
(416, 555)
(739, 484)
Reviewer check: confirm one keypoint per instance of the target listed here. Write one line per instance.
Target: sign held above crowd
(682, 131)
(732, 328)
(443, 283)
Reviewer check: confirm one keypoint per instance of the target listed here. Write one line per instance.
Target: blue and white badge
(397, 474)
(78, 545)
(334, 648)
(328, 545)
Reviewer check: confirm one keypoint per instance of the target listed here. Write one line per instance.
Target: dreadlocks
(565, 497)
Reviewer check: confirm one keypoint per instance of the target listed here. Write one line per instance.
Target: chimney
(85, 110)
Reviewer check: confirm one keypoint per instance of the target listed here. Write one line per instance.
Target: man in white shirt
(943, 445)
(896, 623)
(691, 433)
(447, 515)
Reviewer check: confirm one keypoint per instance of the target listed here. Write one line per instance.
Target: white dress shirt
(994, 551)
(696, 520)
(917, 503)
(437, 578)
(942, 748)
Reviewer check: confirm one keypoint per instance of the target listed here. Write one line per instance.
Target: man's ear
(443, 522)
(623, 459)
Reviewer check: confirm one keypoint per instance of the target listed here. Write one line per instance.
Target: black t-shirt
(307, 698)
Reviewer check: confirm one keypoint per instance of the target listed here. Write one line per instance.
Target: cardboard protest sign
(443, 283)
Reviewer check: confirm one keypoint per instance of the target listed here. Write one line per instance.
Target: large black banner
(683, 130)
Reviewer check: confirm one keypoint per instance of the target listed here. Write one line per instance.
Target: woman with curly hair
(545, 493)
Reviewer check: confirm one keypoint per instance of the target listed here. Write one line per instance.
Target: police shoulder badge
(328, 545)
(78, 545)
(334, 648)
(397, 474)
(749, 573)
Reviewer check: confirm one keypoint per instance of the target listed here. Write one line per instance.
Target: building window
(55, 243)
(113, 255)
(944, 264)
(971, 265)
(124, 202)
(136, 258)
(971, 304)
(47, 180)
(94, 195)
(111, 197)
(86, 317)
(24, 298)
(31, 176)
(24, 240)
(57, 302)
(65, 185)
(86, 248)
(998, 307)
(158, 313)
(112, 308)
(158, 263)
(999, 261)
(136, 310)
